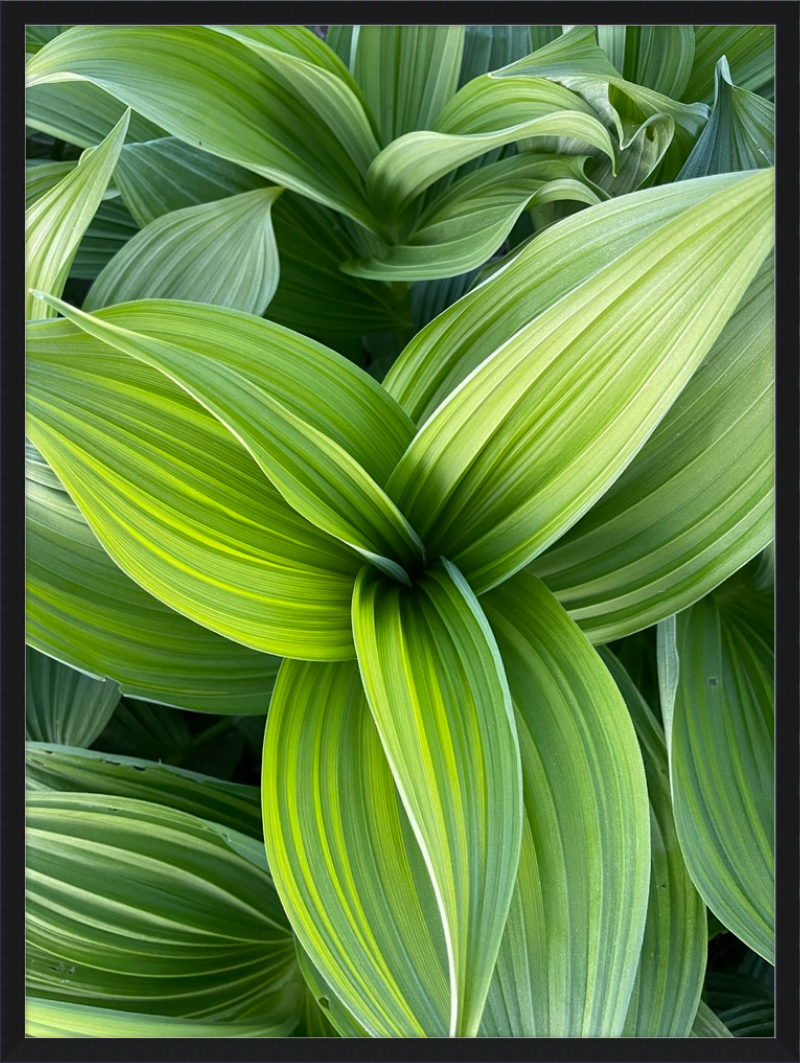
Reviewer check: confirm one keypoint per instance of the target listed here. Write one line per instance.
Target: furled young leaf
(750, 51)
(56, 768)
(301, 428)
(407, 74)
(672, 964)
(438, 694)
(576, 393)
(178, 503)
(740, 134)
(275, 114)
(660, 57)
(639, 157)
(63, 705)
(81, 113)
(82, 609)
(574, 931)
(344, 857)
(55, 223)
(141, 908)
(721, 727)
(696, 502)
(706, 1024)
(111, 228)
(223, 253)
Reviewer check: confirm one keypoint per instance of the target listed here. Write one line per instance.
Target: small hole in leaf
(138, 767)
(324, 1002)
(712, 680)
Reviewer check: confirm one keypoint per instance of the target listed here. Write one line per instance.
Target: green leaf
(301, 427)
(273, 113)
(639, 158)
(576, 393)
(344, 857)
(111, 228)
(672, 964)
(335, 1016)
(42, 175)
(407, 74)
(706, 1024)
(696, 502)
(659, 57)
(740, 134)
(63, 705)
(223, 253)
(489, 47)
(82, 609)
(750, 50)
(141, 908)
(437, 691)
(55, 223)
(574, 931)
(81, 113)
(721, 754)
(177, 502)
(743, 997)
(56, 768)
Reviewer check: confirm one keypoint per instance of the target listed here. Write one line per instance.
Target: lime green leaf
(344, 858)
(706, 1024)
(335, 1016)
(58, 1018)
(301, 428)
(407, 74)
(721, 754)
(63, 705)
(82, 609)
(81, 113)
(141, 908)
(55, 223)
(574, 931)
(42, 175)
(489, 47)
(576, 393)
(696, 502)
(438, 693)
(56, 768)
(750, 51)
(660, 57)
(109, 231)
(740, 134)
(223, 253)
(672, 964)
(275, 114)
(485, 114)
(178, 503)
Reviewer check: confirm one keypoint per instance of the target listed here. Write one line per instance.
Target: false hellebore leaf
(63, 705)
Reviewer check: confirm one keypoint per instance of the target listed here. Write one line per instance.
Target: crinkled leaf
(750, 51)
(574, 931)
(438, 693)
(63, 705)
(576, 393)
(55, 223)
(178, 503)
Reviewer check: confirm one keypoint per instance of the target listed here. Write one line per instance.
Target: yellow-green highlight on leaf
(438, 693)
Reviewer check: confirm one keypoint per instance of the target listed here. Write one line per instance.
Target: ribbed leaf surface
(63, 705)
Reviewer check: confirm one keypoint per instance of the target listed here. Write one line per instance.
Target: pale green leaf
(572, 941)
(696, 502)
(438, 693)
(750, 51)
(81, 113)
(178, 503)
(223, 253)
(55, 223)
(706, 1024)
(82, 609)
(301, 428)
(62, 705)
(42, 175)
(576, 393)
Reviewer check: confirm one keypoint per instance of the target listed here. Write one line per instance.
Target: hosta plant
(400, 442)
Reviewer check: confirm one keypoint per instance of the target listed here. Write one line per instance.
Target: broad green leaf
(438, 693)
(696, 502)
(485, 114)
(81, 113)
(342, 40)
(750, 51)
(111, 228)
(467, 223)
(407, 74)
(721, 755)
(37, 36)
(55, 223)
(56, 768)
(672, 964)
(63, 705)
(82, 609)
(301, 428)
(659, 57)
(706, 1024)
(335, 1016)
(740, 134)
(141, 908)
(177, 502)
(489, 47)
(275, 114)
(539, 36)
(223, 253)
(58, 1018)
(574, 931)
(576, 393)
(42, 175)
(639, 158)
(344, 858)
